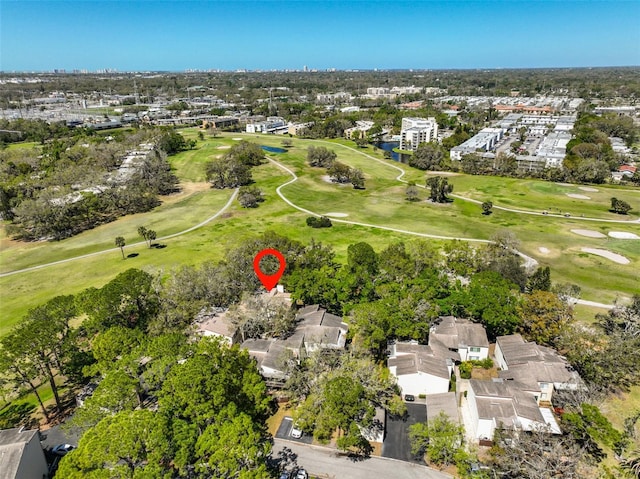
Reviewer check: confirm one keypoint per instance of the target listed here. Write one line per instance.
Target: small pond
(273, 149)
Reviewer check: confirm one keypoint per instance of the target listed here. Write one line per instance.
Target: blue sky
(177, 35)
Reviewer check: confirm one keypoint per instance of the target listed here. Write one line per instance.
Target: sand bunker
(224, 147)
(544, 250)
(578, 197)
(587, 188)
(615, 257)
(623, 235)
(589, 233)
(337, 215)
(237, 139)
(564, 184)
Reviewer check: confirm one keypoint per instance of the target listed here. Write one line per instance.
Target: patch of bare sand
(589, 233)
(623, 235)
(336, 215)
(224, 147)
(544, 250)
(443, 173)
(615, 257)
(587, 188)
(578, 197)
(186, 189)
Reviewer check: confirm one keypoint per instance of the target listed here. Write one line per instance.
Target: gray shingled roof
(499, 400)
(420, 362)
(12, 445)
(455, 332)
(443, 402)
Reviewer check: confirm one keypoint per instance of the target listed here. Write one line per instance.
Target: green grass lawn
(381, 203)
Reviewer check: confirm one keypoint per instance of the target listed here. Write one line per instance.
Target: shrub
(465, 369)
(322, 222)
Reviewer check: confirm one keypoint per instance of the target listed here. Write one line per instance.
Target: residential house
(271, 356)
(21, 455)
(214, 322)
(536, 369)
(418, 370)
(459, 339)
(498, 404)
(442, 403)
(320, 329)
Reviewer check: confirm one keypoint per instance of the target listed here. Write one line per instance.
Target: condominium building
(417, 130)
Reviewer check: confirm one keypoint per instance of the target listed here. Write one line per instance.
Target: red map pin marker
(269, 281)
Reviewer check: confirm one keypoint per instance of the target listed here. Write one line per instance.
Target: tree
(128, 300)
(36, 346)
(339, 172)
(439, 187)
(412, 192)
(233, 445)
(501, 256)
(441, 439)
(17, 369)
(250, 196)
(229, 172)
(287, 143)
(147, 235)
(322, 222)
(544, 316)
(494, 302)
(120, 244)
(127, 444)
(246, 153)
(210, 381)
(591, 429)
(487, 207)
(538, 455)
(171, 142)
(320, 156)
(540, 280)
(356, 177)
(257, 316)
(620, 207)
(428, 156)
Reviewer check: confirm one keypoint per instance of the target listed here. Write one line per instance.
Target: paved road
(328, 464)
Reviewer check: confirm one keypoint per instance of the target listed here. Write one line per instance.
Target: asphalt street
(327, 463)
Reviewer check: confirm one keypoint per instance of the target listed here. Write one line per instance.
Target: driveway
(284, 432)
(396, 443)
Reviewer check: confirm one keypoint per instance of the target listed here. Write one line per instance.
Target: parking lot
(284, 432)
(396, 442)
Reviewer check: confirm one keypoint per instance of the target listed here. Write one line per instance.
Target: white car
(302, 474)
(296, 432)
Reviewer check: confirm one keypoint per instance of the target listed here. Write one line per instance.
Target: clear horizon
(174, 36)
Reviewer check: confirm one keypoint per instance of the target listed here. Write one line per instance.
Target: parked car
(296, 432)
(285, 475)
(302, 474)
(62, 449)
(409, 397)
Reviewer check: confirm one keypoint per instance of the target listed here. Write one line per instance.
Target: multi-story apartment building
(417, 130)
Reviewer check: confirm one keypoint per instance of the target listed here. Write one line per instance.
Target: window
(474, 358)
(474, 350)
(544, 385)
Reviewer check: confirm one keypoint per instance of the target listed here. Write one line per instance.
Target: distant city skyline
(149, 35)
